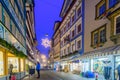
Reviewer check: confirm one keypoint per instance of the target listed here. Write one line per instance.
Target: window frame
(79, 46)
(98, 30)
(97, 7)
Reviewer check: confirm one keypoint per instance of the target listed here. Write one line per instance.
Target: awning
(104, 51)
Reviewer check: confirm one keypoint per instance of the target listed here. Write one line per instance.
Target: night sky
(46, 13)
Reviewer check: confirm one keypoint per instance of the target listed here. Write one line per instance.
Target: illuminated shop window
(1, 64)
(22, 65)
(14, 62)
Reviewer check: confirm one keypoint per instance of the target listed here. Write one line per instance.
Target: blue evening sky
(46, 13)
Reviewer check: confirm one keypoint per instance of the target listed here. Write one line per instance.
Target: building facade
(30, 33)
(56, 40)
(51, 56)
(101, 38)
(71, 34)
(12, 36)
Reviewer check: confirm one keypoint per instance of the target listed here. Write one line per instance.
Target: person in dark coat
(38, 69)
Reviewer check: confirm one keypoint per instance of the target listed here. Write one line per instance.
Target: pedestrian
(10, 70)
(38, 69)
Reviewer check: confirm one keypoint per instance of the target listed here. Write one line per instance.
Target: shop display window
(85, 66)
(1, 64)
(22, 64)
(103, 66)
(117, 67)
(14, 61)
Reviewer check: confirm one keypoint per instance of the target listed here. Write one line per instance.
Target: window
(79, 11)
(15, 62)
(64, 51)
(73, 47)
(16, 10)
(118, 25)
(22, 65)
(1, 64)
(12, 2)
(11, 25)
(3, 17)
(1, 12)
(102, 35)
(7, 18)
(79, 44)
(62, 31)
(102, 9)
(1, 32)
(112, 3)
(13, 29)
(99, 36)
(69, 24)
(68, 37)
(79, 28)
(95, 38)
(68, 49)
(64, 28)
(73, 18)
(73, 33)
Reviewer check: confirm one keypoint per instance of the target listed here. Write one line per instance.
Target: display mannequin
(107, 70)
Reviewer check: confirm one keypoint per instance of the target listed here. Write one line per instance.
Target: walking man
(38, 69)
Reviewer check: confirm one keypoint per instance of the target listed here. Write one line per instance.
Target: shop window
(79, 44)
(100, 8)
(79, 28)
(103, 66)
(1, 64)
(117, 67)
(22, 65)
(118, 25)
(112, 3)
(99, 36)
(14, 61)
(73, 33)
(79, 11)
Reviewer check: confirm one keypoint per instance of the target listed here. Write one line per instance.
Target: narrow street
(52, 75)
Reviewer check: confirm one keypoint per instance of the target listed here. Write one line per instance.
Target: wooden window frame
(97, 7)
(98, 30)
